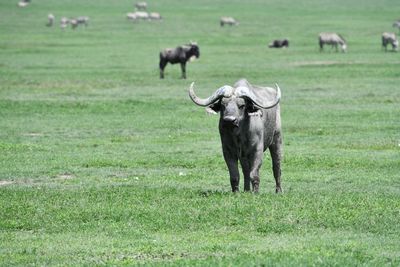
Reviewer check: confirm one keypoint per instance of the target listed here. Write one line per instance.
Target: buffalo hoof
(278, 190)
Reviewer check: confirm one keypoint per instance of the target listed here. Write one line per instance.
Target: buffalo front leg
(276, 155)
(232, 164)
(183, 68)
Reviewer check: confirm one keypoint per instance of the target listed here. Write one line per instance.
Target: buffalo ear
(214, 108)
(251, 108)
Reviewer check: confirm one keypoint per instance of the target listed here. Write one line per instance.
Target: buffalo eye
(242, 106)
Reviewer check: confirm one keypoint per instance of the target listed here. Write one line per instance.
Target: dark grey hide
(279, 43)
(249, 124)
(181, 55)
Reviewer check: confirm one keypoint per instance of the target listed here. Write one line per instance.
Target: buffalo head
(236, 103)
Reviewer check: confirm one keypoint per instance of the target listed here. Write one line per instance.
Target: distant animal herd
(182, 54)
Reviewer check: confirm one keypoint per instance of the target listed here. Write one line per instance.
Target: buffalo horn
(224, 91)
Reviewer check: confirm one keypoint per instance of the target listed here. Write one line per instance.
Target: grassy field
(103, 163)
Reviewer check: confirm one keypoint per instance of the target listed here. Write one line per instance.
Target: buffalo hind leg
(251, 171)
(246, 173)
(183, 67)
(255, 171)
(276, 155)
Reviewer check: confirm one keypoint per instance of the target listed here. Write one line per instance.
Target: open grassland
(101, 162)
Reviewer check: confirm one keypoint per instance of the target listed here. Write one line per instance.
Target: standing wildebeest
(249, 123)
(279, 43)
(332, 39)
(389, 38)
(228, 20)
(181, 55)
(141, 5)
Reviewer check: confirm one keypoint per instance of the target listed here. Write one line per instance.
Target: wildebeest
(332, 39)
(180, 54)
(79, 21)
(83, 20)
(141, 5)
(228, 20)
(50, 19)
(396, 24)
(389, 38)
(249, 123)
(279, 43)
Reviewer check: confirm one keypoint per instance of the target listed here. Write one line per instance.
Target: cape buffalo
(180, 54)
(389, 38)
(249, 123)
(333, 39)
(279, 43)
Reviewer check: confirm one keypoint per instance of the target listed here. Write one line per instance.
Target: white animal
(155, 16)
(23, 3)
(142, 15)
(51, 19)
(131, 16)
(332, 39)
(228, 21)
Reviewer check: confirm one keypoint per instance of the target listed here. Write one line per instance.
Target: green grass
(103, 163)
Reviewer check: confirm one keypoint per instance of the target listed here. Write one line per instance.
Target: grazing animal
(50, 21)
(131, 16)
(180, 54)
(279, 43)
(389, 38)
(24, 3)
(249, 124)
(83, 20)
(332, 39)
(141, 5)
(155, 16)
(141, 15)
(64, 22)
(396, 24)
(74, 23)
(229, 21)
